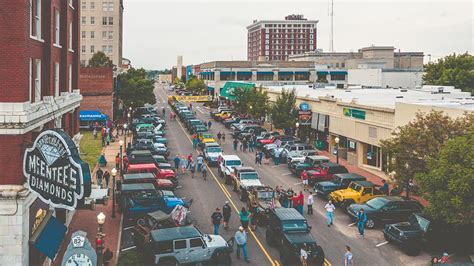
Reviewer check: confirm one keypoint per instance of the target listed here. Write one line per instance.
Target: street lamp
(407, 185)
(100, 238)
(114, 173)
(337, 149)
(125, 127)
(297, 125)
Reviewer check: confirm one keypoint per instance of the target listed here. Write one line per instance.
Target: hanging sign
(54, 170)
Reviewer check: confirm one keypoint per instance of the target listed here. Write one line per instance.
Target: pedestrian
(253, 217)
(192, 168)
(195, 142)
(304, 255)
(107, 178)
(108, 255)
(176, 160)
(348, 257)
(163, 110)
(125, 163)
(384, 188)
(226, 212)
(209, 124)
(241, 145)
(95, 133)
(257, 157)
(329, 212)
(117, 161)
(361, 220)
(204, 171)
(304, 180)
(99, 174)
(223, 137)
(244, 218)
(171, 116)
(276, 157)
(235, 143)
(200, 162)
(251, 145)
(190, 159)
(300, 204)
(219, 136)
(216, 218)
(184, 165)
(241, 241)
(245, 144)
(266, 160)
(310, 202)
(102, 137)
(260, 157)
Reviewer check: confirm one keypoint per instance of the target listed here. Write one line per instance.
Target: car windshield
(295, 225)
(214, 149)
(207, 136)
(376, 203)
(265, 194)
(337, 180)
(233, 162)
(422, 222)
(355, 186)
(248, 176)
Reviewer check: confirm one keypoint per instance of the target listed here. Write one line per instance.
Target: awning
(48, 236)
(244, 72)
(265, 73)
(302, 72)
(228, 91)
(92, 115)
(338, 72)
(322, 72)
(227, 72)
(285, 73)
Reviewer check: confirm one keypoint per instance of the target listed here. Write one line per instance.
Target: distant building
(272, 40)
(179, 66)
(101, 29)
(126, 64)
(384, 78)
(165, 78)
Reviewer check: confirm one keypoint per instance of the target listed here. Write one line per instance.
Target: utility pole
(331, 42)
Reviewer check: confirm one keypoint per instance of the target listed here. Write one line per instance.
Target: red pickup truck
(151, 168)
(323, 173)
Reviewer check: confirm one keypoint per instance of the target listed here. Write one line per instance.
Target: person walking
(190, 159)
(184, 164)
(245, 144)
(276, 157)
(241, 241)
(192, 168)
(125, 163)
(361, 220)
(216, 218)
(251, 145)
(310, 202)
(384, 187)
(244, 218)
(209, 124)
(195, 142)
(257, 157)
(300, 205)
(204, 171)
(99, 174)
(163, 110)
(348, 257)
(226, 212)
(200, 162)
(329, 212)
(117, 162)
(260, 157)
(176, 160)
(304, 179)
(235, 143)
(304, 255)
(219, 136)
(223, 137)
(107, 178)
(253, 217)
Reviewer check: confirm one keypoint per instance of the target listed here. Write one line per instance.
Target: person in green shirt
(244, 218)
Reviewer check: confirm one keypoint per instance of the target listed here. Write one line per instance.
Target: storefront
(319, 131)
(88, 118)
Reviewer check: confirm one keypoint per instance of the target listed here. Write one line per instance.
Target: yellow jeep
(356, 192)
(205, 138)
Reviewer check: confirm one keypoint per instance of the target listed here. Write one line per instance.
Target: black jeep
(289, 231)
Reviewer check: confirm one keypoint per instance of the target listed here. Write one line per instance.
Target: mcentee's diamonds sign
(54, 170)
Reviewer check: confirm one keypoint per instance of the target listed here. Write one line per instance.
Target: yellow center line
(227, 194)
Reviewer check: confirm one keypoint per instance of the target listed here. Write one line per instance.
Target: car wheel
(370, 223)
(347, 203)
(412, 250)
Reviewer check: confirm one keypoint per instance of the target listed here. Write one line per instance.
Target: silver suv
(187, 245)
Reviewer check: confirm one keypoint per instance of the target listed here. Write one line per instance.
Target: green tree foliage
(284, 111)
(251, 101)
(453, 70)
(449, 183)
(196, 86)
(135, 88)
(412, 144)
(100, 59)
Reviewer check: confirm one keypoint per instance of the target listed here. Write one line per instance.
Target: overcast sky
(156, 31)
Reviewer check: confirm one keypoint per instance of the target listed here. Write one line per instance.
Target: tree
(412, 144)
(284, 111)
(176, 81)
(99, 59)
(449, 183)
(196, 86)
(251, 101)
(452, 70)
(136, 90)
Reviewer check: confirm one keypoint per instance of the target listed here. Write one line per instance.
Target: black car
(339, 181)
(289, 231)
(388, 209)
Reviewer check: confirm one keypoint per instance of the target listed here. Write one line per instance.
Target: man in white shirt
(304, 256)
(329, 212)
(310, 202)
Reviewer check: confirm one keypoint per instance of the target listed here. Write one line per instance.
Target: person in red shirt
(190, 159)
(294, 201)
(304, 179)
(299, 202)
(125, 163)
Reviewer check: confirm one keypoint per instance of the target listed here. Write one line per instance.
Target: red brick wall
(102, 103)
(96, 81)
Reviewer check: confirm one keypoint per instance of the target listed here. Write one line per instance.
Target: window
(83, 63)
(111, 6)
(196, 242)
(56, 27)
(30, 79)
(104, 21)
(373, 132)
(70, 78)
(179, 244)
(111, 20)
(104, 35)
(92, 34)
(111, 35)
(84, 4)
(36, 27)
(164, 247)
(37, 80)
(83, 20)
(104, 48)
(92, 5)
(104, 6)
(70, 36)
(110, 49)
(92, 20)
(83, 48)
(92, 49)
(56, 79)
(83, 34)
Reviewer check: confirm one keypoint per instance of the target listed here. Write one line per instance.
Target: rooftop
(175, 233)
(440, 96)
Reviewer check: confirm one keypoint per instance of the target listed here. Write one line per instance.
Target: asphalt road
(213, 193)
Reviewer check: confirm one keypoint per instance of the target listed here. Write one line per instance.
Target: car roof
(397, 199)
(138, 187)
(141, 152)
(350, 176)
(230, 157)
(318, 157)
(175, 233)
(288, 214)
(138, 176)
(141, 166)
(300, 237)
(245, 169)
(331, 164)
(364, 183)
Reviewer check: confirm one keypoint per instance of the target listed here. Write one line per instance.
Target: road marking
(227, 194)
(352, 224)
(129, 248)
(286, 174)
(128, 228)
(381, 244)
(278, 165)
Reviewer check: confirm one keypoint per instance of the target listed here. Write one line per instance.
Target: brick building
(97, 89)
(39, 90)
(276, 40)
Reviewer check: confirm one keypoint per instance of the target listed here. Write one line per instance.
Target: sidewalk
(86, 220)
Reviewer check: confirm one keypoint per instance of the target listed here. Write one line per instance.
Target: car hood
(213, 154)
(208, 140)
(326, 185)
(346, 192)
(215, 241)
(166, 171)
(250, 182)
(355, 208)
(406, 226)
(302, 165)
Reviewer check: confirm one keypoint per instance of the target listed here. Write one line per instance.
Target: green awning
(229, 87)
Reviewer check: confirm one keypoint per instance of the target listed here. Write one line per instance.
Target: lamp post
(297, 128)
(125, 126)
(407, 185)
(337, 149)
(121, 157)
(128, 115)
(114, 173)
(100, 239)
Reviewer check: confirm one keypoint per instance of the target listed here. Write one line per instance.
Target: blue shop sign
(304, 106)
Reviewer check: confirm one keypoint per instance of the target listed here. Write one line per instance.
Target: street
(207, 195)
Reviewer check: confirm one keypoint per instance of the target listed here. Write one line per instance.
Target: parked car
(140, 156)
(138, 199)
(187, 245)
(309, 163)
(288, 230)
(227, 163)
(295, 157)
(356, 192)
(263, 198)
(243, 178)
(146, 178)
(301, 147)
(388, 209)
(324, 173)
(339, 181)
(211, 152)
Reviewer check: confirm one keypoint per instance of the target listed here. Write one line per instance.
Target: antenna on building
(331, 41)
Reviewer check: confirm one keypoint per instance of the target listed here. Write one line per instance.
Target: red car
(151, 168)
(148, 178)
(323, 173)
